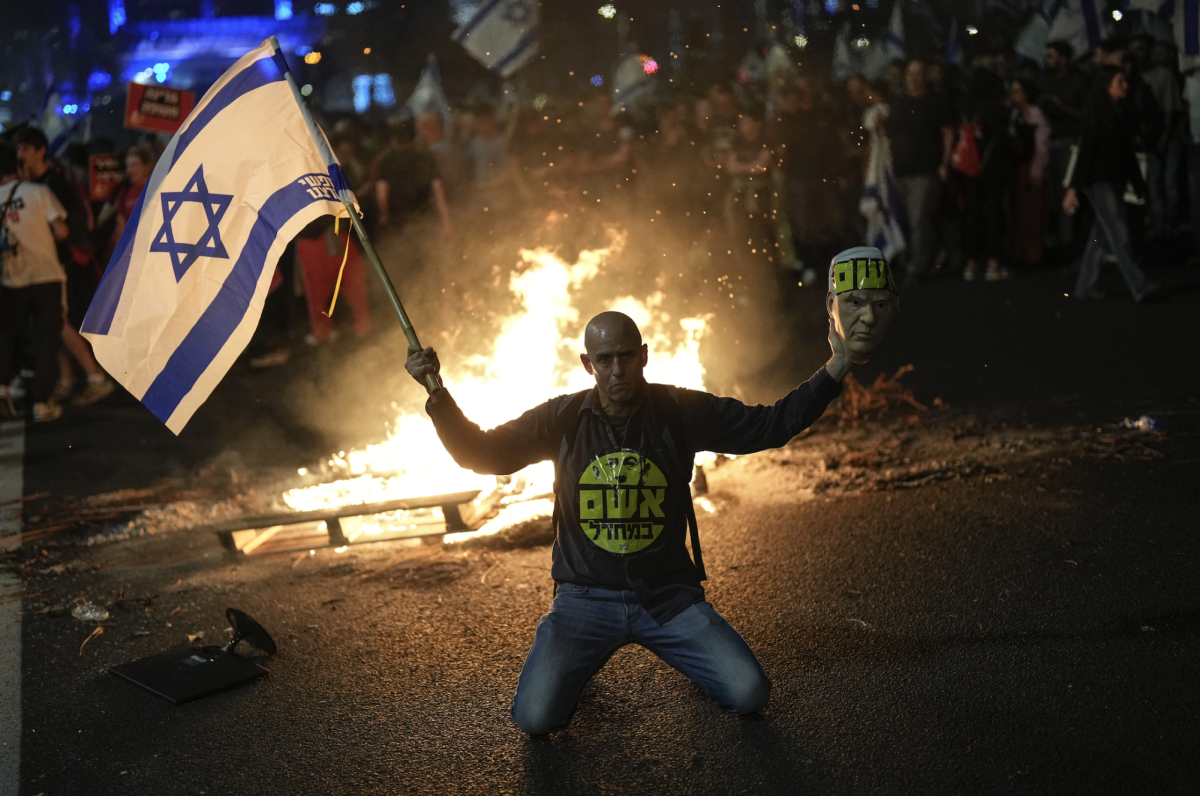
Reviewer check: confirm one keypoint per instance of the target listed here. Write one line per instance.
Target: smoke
(458, 295)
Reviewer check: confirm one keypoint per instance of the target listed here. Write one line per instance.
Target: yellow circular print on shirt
(621, 497)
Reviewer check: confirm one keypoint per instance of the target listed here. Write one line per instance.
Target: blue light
(160, 71)
(69, 109)
(384, 96)
(5, 96)
(85, 107)
(354, 8)
(597, 80)
(362, 92)
(99, 79)
(116, 15)
(325, 9)
(283, 9)
(832, 6)
(302, 50)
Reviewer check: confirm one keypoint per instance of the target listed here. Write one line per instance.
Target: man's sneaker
(1153, 294)
(96, 389)
(272, 359)
(45, 411)
(62, 390)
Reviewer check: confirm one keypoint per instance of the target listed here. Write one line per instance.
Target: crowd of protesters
(989, 170)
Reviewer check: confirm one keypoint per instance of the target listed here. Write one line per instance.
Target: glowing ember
(531, 361)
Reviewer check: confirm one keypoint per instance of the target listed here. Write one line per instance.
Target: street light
(608, 11)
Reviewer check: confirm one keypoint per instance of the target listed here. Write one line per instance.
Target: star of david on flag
(185, 288)
(209, 244)
(503, 34)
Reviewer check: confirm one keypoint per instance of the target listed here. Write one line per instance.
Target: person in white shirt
(31, 283)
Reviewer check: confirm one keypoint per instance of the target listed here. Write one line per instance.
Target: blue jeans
(1163, 178)
(586, 625)
(1109, 231)
(919, 197)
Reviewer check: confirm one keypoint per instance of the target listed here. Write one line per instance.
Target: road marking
(12, 485)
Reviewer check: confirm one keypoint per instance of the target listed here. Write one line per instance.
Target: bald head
(608, 327)
(615, 357)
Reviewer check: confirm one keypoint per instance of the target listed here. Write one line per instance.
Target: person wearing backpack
(986, 167)
(623, 454)
(32, 221)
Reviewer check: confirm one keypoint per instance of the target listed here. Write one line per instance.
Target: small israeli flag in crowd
(893, 40)
(503, 34)
(429, 95)
(185, 288)
(1081, 23)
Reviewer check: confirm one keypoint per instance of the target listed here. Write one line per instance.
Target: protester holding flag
(880, 203)
(184, 291)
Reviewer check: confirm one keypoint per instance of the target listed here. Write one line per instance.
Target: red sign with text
(157, 109)
(104, 173)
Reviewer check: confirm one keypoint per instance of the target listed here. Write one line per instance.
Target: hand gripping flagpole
(432, 382)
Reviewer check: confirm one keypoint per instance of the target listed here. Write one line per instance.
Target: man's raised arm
(500, 451)
(726, 425)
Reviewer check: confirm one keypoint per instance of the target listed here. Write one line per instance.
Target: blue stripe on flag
(258, 74)
(1191, 27)
(1091, 21)
(340, 183)
(476, 20)
(100, 314)
(217, 323)
(524, 44)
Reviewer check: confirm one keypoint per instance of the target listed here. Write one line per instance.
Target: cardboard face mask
(862, 300)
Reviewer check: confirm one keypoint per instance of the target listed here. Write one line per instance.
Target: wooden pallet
(340, 526)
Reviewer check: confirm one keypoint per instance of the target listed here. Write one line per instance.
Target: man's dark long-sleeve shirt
(622, 499)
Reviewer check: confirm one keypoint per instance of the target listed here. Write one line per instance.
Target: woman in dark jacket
(1106, 163)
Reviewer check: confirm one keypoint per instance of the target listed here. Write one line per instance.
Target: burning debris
(527, 359)
(859, 404)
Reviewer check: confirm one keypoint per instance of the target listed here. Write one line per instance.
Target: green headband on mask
(861, 268)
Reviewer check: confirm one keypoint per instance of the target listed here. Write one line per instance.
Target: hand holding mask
(862, 301)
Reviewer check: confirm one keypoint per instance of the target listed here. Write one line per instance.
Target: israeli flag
(1183, 16)
(893, 40)
(845, 65)
(428, 95)
(503, 34)
(880, 203)
(954, 50)
(1081, 23)
(184, 290)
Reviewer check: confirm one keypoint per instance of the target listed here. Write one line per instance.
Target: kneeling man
(623, 454)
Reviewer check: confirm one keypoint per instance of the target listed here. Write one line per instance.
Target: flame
(529, 363)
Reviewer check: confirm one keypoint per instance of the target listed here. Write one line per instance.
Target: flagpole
(432, 381)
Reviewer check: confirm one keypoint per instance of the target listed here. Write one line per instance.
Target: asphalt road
(1032, 631)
